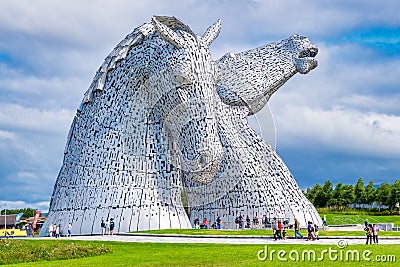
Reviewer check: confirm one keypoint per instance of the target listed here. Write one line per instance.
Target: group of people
(55, 230)
(278, 230)
(107, 227)
(313, 231)
(371, 230)
(246, 223)
(204, 225)
(278, 227)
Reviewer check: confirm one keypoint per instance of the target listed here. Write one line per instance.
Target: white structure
(161, 120)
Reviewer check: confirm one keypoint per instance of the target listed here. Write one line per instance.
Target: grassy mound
(18, 251)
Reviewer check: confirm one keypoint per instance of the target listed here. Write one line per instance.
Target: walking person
(324, 224)
(219, 222)
(274, 226)
(297, 229)
(112, 225)
(310, 230)
(256, 221)
(50, 230)
(237, 222)
(240, 221)
(58, 230)
(197, 223)
(375, 230)
(368, 231)
(29, 230)
(284, 234)
(280, 229)
(54, 230)
(69, 230)
(248, 221)
(103, 227)
(265, 221)
(107, 227)
(316, 231)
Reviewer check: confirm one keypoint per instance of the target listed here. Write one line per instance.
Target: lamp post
(5, 218)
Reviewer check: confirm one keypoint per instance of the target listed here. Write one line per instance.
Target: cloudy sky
(339, 122)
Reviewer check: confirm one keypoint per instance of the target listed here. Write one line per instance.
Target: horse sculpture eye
(182, 79)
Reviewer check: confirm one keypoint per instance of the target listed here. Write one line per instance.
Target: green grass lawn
(160, 254)
(260, 232)
(337, 219)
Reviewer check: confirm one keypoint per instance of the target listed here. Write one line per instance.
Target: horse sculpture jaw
(304, 59)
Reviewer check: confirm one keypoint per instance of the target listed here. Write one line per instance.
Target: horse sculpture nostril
(313, 52)
(207, 163)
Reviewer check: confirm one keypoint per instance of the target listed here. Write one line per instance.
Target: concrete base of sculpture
(161, 120)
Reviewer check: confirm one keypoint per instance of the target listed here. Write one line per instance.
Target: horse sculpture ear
(167, 34)
(211, 33)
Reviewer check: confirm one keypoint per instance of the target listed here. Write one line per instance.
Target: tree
(312, 193)
(394, 194)
(336, 195)
(382, 195)
(324, 194)
(348, 195)
(370, 193)
(359, 192)
(342, 195)
(28, 212)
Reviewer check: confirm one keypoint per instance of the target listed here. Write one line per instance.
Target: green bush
(386, 212)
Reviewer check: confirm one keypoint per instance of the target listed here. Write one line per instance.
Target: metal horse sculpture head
(182, 87)
(179, 85)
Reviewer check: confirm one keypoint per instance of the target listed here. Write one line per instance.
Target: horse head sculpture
(183, 90)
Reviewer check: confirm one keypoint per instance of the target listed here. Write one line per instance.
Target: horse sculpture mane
(120, 52)
(161, 120)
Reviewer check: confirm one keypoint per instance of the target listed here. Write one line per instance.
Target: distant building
(8, 219)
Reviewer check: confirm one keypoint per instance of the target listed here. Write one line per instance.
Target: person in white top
(51, 230)
(69, 230)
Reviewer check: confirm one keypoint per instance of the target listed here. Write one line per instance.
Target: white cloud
(367, 102)
(6, 135)
(339, 129)
(26, 175)
(41, 92)
(34, 119)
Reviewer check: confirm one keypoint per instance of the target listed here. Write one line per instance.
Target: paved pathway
(228, 239)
